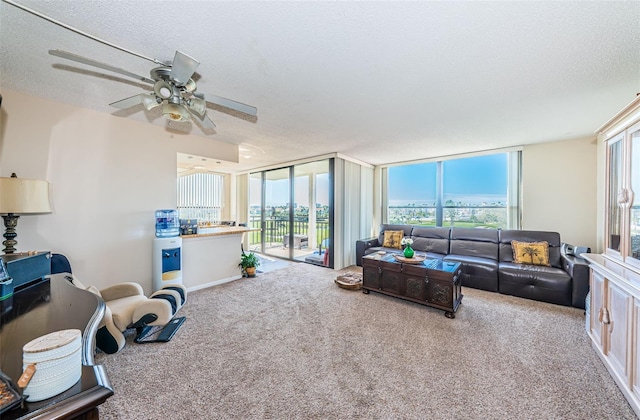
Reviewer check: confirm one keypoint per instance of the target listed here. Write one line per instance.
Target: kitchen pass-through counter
(211, 256)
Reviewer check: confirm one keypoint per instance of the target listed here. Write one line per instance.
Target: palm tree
(531, 252)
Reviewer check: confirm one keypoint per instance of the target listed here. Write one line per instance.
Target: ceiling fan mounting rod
(78, 31)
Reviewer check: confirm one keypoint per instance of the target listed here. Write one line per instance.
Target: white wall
(108, 175)
(559, 188)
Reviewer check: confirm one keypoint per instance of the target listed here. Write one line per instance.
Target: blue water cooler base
(167, 262)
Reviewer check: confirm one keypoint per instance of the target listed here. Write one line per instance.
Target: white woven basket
(58, 361)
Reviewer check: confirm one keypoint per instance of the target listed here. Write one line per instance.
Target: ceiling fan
(173, 88)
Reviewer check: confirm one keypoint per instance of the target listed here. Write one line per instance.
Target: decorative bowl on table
(416, 259)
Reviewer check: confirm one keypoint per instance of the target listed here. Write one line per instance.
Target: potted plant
(248, 264)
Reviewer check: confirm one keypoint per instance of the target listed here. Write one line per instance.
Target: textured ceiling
(381, 82)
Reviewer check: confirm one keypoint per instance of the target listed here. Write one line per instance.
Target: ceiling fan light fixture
(190, 86)
(149, 102)
(163, 89)
(175, 112)
(197, 105)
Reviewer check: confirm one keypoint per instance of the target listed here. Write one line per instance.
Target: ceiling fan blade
(204, 122)
(128, 102)
(90, 62)
(148, 100)
(228, 103)
(183, 68)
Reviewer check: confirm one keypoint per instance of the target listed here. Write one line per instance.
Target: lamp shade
(175, 112)
(24, 196)
(149, 101)
(197, 105)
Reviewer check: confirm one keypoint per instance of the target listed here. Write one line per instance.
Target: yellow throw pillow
(532, 253)
(392, 239)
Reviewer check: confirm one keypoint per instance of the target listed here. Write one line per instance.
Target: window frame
(513, 205)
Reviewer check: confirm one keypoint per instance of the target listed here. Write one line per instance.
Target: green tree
(451, 213)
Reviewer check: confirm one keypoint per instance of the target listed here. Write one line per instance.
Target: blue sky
(480, 175)
(278, 191)
(484, 176)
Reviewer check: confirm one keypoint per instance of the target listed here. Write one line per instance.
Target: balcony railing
(276, 228)
(462, 216)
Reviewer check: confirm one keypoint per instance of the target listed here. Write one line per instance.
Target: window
(478, 191)
(200, 196)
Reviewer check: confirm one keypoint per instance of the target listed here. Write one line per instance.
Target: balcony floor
(278, 251)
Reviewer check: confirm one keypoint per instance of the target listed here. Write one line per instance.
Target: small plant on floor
(248, 264)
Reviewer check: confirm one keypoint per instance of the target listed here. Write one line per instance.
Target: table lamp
(20, 196)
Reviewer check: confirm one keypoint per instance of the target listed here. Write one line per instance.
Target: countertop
(220, 231)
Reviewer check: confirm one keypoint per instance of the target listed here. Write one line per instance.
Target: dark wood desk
(48, 306)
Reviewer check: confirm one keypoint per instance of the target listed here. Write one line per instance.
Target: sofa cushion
(532, 253)
(477, 272)
(552, 238)
(474, 242)
(430, 239)
(384, 227)
(546, 284)
(392, 239)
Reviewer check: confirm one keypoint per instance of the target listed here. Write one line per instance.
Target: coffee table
(433, 282)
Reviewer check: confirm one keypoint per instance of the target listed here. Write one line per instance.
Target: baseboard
(213, 283)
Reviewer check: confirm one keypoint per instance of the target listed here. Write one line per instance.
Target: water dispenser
(167, 223)
(167, 250)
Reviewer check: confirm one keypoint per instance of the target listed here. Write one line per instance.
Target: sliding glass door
(292, 207)
(312, 208)
(276, 211)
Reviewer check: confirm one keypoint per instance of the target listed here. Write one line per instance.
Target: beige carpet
(291, 344)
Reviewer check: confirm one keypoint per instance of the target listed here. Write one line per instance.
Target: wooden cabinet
(635, 362)
(617, 329)
(597, 302)
(614, 324)
(434, 283)
(622, 227)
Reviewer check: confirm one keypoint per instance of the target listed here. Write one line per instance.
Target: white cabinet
(635, 384)
(619, 304)
(622, 198)
(597, 310)
(614, 323)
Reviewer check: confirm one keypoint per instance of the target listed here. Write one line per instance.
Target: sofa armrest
(578, 269)
(362, 245)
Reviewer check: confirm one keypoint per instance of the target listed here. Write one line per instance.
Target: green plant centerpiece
(248, 264)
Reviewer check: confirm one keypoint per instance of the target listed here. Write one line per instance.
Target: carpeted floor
(291, 344)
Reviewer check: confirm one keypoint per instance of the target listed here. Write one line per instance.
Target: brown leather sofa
(487, 261)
